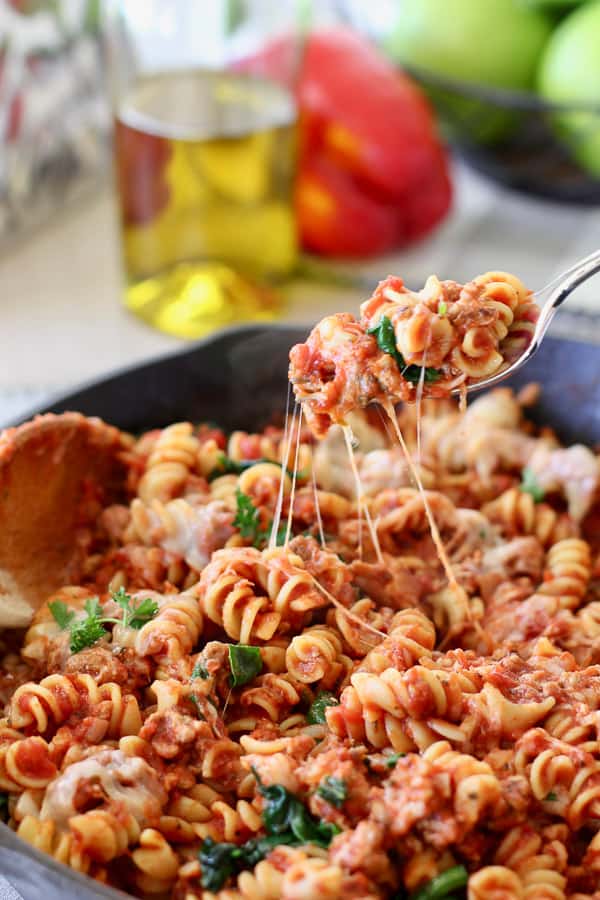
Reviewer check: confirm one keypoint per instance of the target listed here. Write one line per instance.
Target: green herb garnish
(134, 616)
(286, 820)
(529, 485)
(247, 517)
(442, 308)
(220, 861)
(386, 341)
(247, 520)
(442, 886)
(245, 663)
(85, 632)
(200, 671)
(285, 815)
(63, 616)
(551, 797)
(333, 790)
(393, 759)
(316, 712)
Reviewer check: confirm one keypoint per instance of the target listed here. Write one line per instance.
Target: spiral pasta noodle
(248, 592)
(316, 656)
(174, 631)
(169, 464)
(51, 702)
(568, 572)
(518, 513)
(270, 683)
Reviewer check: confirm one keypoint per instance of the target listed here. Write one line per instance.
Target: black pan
(237, 378)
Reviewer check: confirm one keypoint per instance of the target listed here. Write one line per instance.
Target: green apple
(493, 42)
(570, 73)
(484, 42)
(556, 5)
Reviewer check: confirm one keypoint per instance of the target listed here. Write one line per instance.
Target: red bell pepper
(373, 173)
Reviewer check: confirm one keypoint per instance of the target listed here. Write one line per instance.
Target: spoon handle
(573, 278)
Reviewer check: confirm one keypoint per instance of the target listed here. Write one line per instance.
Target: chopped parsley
(135, 616)
(63, 616)
(83, 632)
(247, 520)
(245, 663)
(551, 797)
(529, 485)
(386, 341)
(333, 790)
(316, 712)
(87, 631)
(444, 885)
(286, 821)
(442, 308)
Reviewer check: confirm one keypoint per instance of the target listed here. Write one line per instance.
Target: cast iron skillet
(237, 378)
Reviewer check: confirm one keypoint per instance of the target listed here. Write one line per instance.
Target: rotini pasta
(441, 337)
(291, 672)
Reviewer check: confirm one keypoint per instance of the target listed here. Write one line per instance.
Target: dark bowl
(238, 379)
(517, 138)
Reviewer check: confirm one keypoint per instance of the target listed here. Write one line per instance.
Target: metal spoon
(559, 289)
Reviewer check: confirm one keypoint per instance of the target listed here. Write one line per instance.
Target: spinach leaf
(245, 663)
(333, 790)
(286, 815)
(219, 862)
(286, 821)
(316, 713)
(443, 886)
(386, 341)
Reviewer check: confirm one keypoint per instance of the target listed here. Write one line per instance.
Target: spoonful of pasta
(447, 338)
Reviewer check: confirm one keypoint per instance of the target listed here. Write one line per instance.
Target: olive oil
(205, 165)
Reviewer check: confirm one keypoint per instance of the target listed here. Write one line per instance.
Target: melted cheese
(127, 780)
(435, 534)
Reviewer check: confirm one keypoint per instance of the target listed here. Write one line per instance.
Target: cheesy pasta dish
(350, 666)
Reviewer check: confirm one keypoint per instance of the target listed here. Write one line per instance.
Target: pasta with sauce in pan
(363, 667)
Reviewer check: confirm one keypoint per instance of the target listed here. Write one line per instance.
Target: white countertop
(62, 321)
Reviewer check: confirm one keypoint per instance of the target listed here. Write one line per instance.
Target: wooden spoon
(53, 472)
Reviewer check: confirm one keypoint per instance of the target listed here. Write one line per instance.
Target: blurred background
(169, 167)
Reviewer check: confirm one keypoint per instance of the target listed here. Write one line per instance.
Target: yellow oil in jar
(205, 167)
